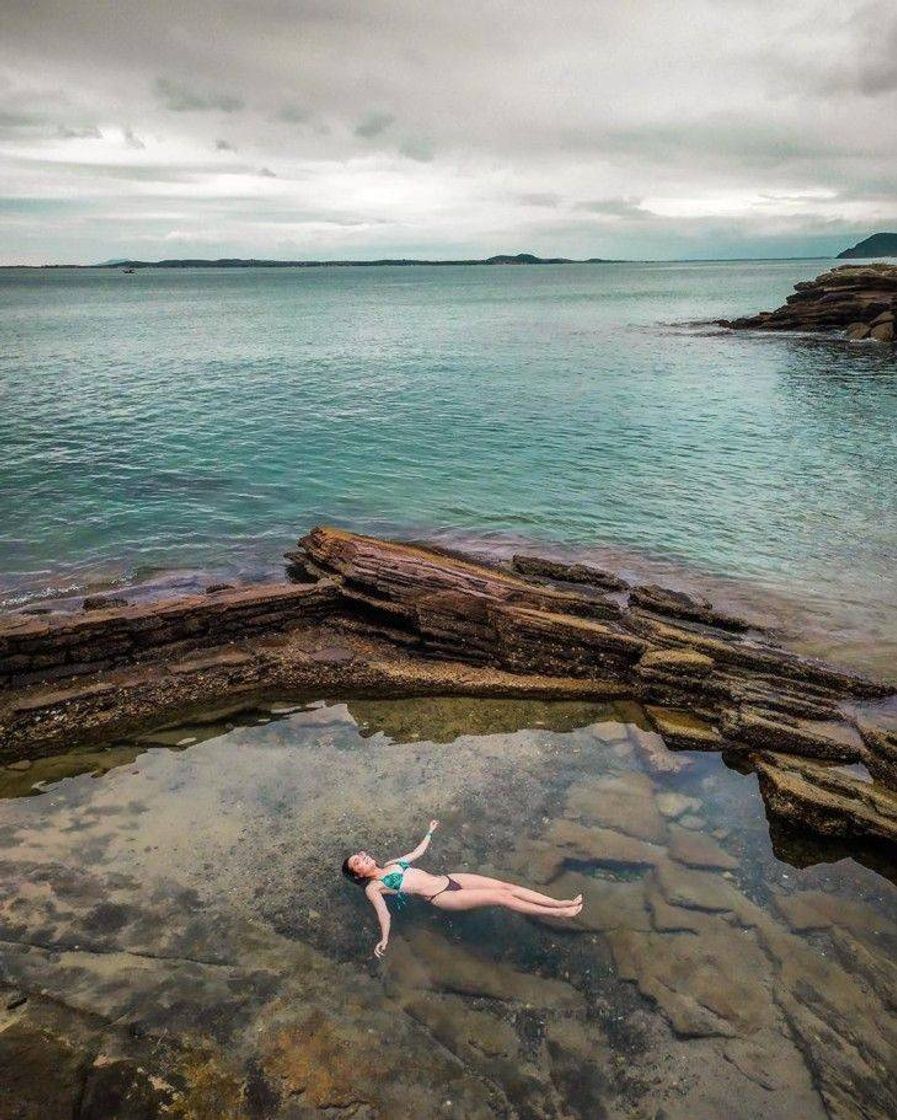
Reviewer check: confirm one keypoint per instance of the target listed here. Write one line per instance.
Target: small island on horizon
(876, 245)
(385, 262)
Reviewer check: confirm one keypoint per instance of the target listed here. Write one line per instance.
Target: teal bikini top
(393, 880)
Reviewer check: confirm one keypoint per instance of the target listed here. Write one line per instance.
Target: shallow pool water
(191, 896)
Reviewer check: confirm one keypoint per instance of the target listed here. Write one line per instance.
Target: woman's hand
(434, 825)
(380, 948)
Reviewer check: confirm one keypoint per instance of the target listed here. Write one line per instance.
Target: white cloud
(588, 129)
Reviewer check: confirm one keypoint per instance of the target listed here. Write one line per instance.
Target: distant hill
(878, 245)
(239, 262)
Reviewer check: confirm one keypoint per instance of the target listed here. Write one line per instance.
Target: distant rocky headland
(386, 262)
(360, 616)
(878, 245)
(860, 300)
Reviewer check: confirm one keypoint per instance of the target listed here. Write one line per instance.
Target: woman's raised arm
(417, 852)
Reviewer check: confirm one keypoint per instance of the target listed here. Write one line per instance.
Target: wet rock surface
(861, 300)
(384, 618)
(186, 947)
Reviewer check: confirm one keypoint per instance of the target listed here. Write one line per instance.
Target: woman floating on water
(459, 891)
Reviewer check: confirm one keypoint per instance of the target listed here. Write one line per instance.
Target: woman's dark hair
(361, 880)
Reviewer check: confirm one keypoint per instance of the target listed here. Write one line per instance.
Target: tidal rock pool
(176, 938)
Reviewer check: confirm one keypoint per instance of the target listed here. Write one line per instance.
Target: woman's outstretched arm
(421, 848)
(375, 895)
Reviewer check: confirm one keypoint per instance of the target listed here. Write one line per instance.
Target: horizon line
(504, 259)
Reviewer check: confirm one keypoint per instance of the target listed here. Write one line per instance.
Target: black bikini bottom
(451, 885)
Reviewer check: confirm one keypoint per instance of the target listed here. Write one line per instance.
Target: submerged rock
(677, 604)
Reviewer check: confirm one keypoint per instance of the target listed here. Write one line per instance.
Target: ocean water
(203, 419)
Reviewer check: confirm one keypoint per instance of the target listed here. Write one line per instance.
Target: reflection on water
(193, 895)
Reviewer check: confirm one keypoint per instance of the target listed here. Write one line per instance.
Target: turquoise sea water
(185, 419)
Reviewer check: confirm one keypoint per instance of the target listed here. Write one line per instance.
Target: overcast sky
(331, 128)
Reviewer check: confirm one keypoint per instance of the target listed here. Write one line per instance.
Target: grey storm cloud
(181, 98)
(132, 140)
(604, 128)
(421, 150)
(615, 208)
(292, 114)
(90, 132)
(373, 123)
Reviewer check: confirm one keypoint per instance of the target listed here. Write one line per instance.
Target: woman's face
(362, 864)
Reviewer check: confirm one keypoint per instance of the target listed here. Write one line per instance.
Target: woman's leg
(474, 898)
(482, 882)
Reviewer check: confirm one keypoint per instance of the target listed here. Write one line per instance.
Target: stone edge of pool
(363, 616)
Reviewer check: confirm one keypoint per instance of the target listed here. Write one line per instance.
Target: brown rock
(684, 730)
(829, 742)
(441, 964)
(567, 573)
(102, 602)
(812, 910)
(695, 890)
(673, 805)
(601, 846)
(624, 803)
(848, 296)
(655, 754)
(881, 754)
(681, 662)
(697, 849)
(857, 331)
(884, 332)
(707, 985)
(607, 904)
(825, 800)
(677, 604)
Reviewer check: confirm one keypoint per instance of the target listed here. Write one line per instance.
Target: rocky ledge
(380, 618)
(861, 300)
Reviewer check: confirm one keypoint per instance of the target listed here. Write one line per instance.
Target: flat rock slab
(697, 849)
(682, 729)
(624, 803)
(212, 661)
(568, 840)
(432, 961)
(827, 801)
(694, 890)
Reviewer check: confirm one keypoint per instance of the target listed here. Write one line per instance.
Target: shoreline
(385, 619)
(809, 625)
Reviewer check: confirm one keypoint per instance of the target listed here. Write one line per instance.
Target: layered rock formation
(395, 619)
(861, 300)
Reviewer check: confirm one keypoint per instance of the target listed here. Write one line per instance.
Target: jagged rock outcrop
(391, 618)
(861, 300)
(826, 799)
